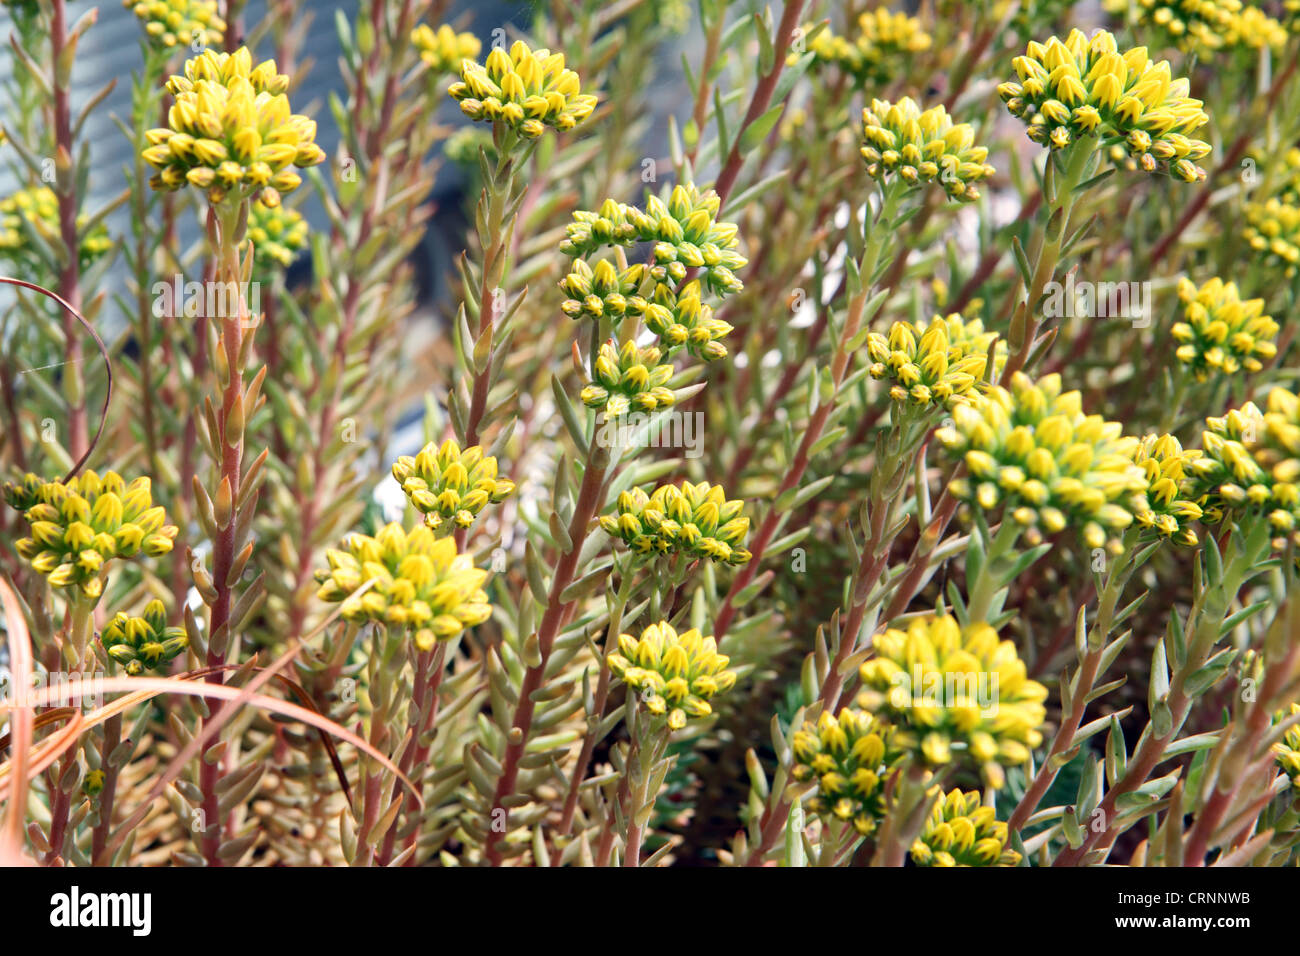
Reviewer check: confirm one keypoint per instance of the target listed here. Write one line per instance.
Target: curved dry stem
(103, 351)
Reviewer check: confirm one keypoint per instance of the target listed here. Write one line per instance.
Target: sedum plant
(874, 443)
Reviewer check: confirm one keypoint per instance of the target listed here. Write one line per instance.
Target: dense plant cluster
(894, 460)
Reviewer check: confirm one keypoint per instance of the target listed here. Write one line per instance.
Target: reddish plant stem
(423, 713)
(1258, 723)
(107, 796)
(700, 112)
(1061, 742)
(790, 19)
(69, 290)
(1208, 617)
(798, 465)
(70, 274)
(590, 498)
(224, 547)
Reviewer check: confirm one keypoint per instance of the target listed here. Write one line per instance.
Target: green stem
(1062, 194)
(989, 584)
(646, 750)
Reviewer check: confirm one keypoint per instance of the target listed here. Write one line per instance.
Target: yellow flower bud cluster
(629, 379)
(78, 527)
(885, 41)
(942, 364)
(1287, 750)
(278, 233)
(603, 290)
(1273, 228)
(450, 486)
(1031, 449)
(230, 131)
(93, 785)
(172, 23)
(1222, 334)
(420, 583)
(1291, 9)
(1167, 507)
(676, 674)
(694, 520)
(1080, 87)
(614, 224)
(849, 757)
(442, 50)
(37, 208)
(1203, 26)
(679, 318)
(1251, 462)
(952, 693)
(527, 90)
(902, 141)
(683, 318)
(961, 832)
(685, 230)
(1253, 29)
(688, 235)
(140, 643)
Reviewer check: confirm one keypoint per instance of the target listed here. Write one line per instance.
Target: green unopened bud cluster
(442, 50)
(450, 487)
(278, 233)
(628, 378)
(954, 692)
(526, 90)
(678, 318)
(1221, 333)
(172, 23)
(849, 758)
(1032, 450)
(904, 142)
(1251, 462)
(603, 290)
(685, 231)
(420, 583)
(143, 643)
(695, 520)
(78, 527)
(1081, 87)
(230, 131)
(940, 364)
(37, 208)
(961, 832)
(676, 674)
